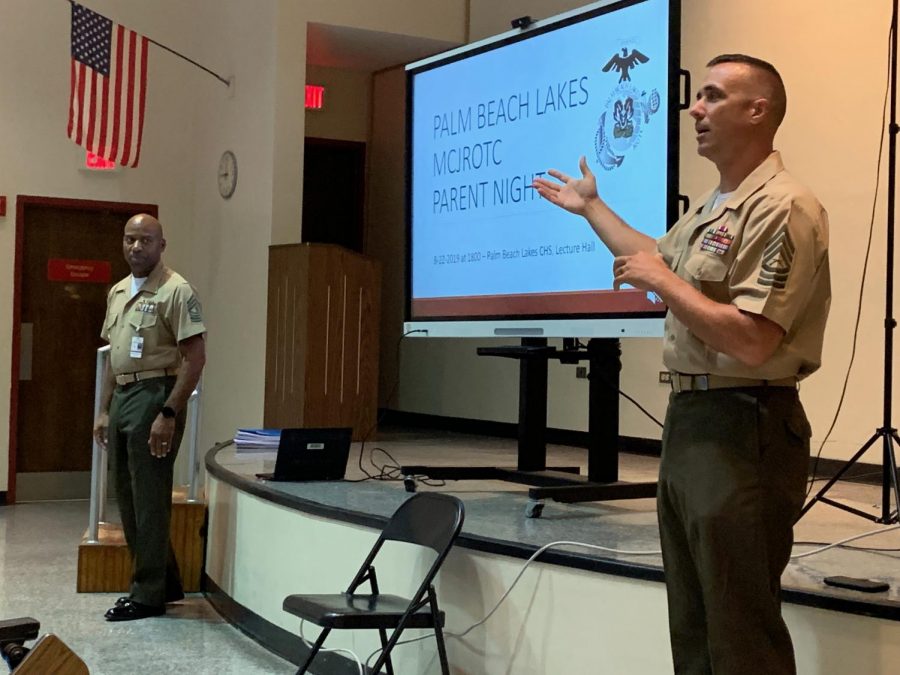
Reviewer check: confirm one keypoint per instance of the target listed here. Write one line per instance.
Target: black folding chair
(427, 519)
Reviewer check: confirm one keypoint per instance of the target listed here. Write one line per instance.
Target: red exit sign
(315, 97)
(85, 271)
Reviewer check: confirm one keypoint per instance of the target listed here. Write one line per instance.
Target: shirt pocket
(705, 267)
(110, 324)
(142, 320)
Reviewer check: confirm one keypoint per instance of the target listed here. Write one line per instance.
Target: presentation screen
(488, 256)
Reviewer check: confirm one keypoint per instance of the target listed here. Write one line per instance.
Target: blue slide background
(494, 240)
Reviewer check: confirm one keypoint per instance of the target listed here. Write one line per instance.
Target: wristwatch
(168, 412)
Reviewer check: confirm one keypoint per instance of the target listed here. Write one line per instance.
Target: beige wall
(829, 141)
(345, 115)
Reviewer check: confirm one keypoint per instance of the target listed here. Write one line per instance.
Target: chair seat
(343, 610)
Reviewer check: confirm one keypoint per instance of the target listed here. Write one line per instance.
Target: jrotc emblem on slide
(626, 111)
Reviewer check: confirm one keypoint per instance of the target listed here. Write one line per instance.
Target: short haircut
(778, 97)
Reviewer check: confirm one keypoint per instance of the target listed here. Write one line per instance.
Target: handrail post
(98, 459)
(193, 456)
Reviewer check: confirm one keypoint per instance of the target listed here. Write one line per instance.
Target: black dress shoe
(131, 610)
(170, 597)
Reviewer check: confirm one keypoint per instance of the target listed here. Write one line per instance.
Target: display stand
(562, 484)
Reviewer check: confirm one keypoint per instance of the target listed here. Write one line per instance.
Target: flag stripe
(104, 118)
(117, 118)
(71, 99)
(129, 103)
(80, 103)
(142, 87)
(92, 117)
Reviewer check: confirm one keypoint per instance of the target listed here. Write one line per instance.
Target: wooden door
(70, 255)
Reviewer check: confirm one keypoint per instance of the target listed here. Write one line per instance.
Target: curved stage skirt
(572, 612)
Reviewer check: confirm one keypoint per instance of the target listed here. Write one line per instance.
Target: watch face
(227, 176)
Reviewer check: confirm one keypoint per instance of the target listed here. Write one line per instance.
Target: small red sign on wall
(315, 97)
(91, 271)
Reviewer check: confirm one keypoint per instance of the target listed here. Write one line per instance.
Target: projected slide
(484, 126)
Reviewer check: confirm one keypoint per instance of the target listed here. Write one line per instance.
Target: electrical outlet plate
(581, 372)
(665, 377)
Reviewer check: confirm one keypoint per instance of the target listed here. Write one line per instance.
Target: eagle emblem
(622, 64)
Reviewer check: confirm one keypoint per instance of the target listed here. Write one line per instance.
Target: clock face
(227, 176)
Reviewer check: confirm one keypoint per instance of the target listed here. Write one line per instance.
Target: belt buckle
(689, 382)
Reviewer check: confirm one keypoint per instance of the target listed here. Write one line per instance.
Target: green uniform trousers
(731, 485)
(144, 488)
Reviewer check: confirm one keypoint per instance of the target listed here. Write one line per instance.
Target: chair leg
(385, 655)
(438, 631)
(388, 662)
(313, 651)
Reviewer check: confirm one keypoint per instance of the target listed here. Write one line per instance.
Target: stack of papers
(257, 440)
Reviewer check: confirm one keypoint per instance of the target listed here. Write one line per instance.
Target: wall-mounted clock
(227, 174)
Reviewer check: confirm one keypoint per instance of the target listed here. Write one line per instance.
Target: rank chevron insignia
(777, 260)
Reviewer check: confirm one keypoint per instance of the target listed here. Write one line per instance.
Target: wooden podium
(322, 346)
(105, 567)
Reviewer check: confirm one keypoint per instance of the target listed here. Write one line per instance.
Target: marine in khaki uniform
(154, 326)
(745, 277)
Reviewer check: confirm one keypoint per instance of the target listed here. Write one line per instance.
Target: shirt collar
(770, 167)
(154, 280)
(762, 174)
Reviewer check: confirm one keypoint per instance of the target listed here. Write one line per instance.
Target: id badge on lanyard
(137, 347)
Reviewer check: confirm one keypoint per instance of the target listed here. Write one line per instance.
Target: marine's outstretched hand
(572, 194)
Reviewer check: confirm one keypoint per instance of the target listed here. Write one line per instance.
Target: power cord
(391, 470)
(622, 393)
(578, 544)
(334, 649)
(534, 556)
(870, 533)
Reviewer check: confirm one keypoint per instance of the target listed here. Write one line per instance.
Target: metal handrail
(193, 456)
(99, 458)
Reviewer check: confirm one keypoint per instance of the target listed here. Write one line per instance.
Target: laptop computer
(311, 454)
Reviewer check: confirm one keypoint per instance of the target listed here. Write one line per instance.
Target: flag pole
(226, 82)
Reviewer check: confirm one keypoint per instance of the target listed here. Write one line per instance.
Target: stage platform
(574, 611)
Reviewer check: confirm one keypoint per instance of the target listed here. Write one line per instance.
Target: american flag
(109, 87)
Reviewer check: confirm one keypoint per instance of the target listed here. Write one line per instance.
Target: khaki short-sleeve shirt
(764, 250)
(161, 314)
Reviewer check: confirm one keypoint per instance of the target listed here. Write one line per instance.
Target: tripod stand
(886, 433)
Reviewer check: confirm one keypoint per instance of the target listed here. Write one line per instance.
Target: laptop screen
(312, 454)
